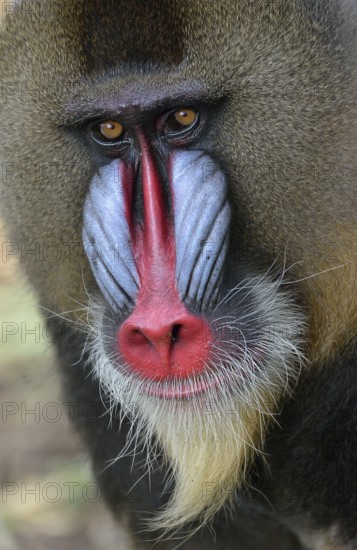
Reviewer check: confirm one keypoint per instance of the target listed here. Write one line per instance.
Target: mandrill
(193, 163)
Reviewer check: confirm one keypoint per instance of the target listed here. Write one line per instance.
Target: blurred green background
(48, 498)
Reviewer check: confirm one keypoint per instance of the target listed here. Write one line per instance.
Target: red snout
(161, 340)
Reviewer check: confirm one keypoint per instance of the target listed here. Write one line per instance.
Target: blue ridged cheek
(107, 238)
(202, 219)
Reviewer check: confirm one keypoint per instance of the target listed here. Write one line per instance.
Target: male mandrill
(193, 164)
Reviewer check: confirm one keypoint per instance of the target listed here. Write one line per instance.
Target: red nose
(159, 342)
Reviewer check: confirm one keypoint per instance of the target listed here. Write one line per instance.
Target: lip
(189, 388)
(184, 390)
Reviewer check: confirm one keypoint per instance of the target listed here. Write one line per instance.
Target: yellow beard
(209, 454)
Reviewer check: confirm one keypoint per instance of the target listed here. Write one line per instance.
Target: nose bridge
(153, 242)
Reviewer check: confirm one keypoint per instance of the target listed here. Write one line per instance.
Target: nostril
(154, 337)
(135, 336)
(175, 333)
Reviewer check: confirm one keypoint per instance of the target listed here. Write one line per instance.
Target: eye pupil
(181, 119)
(185, 117)
(108, 131)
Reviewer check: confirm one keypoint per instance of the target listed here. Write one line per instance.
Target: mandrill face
(180, 328)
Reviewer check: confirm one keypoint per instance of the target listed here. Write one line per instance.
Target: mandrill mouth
(195, 377)
(249, 340)
(241, 343)
(182, 389)
(189, 357)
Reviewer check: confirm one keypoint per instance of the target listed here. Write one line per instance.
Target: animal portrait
(186, 172)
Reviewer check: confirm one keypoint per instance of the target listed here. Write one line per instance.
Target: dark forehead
(132, 31)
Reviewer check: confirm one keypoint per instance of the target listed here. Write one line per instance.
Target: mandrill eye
(108, 132)
(180, 121)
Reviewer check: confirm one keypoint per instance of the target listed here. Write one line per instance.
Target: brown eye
(180, 120)
(108, 131)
